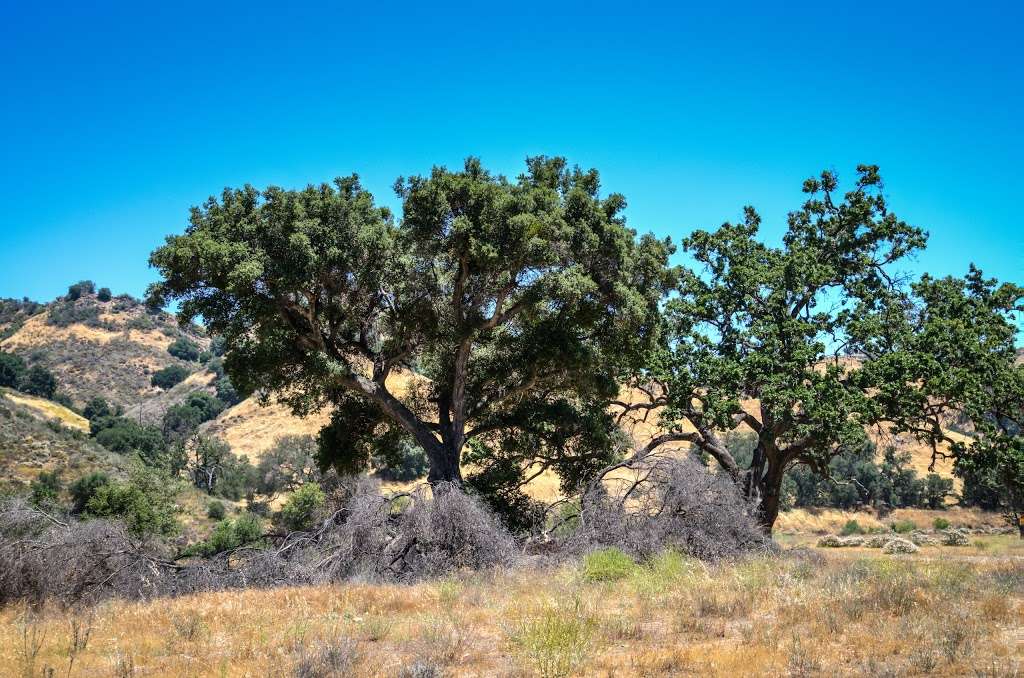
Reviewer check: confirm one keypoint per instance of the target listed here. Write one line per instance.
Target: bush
(184, 349)
(85, 488)
(96, 408)
(228, 535)
(104, 294)
(903, 527)
(303, 509)
(145, 502)
(169, 377)
(181, 420)
(41, 559)
(609, 564)
(78, 289)
(216, 470)
(433, 536)
(45, 489)
(65, 313)
(940, 523)
(851, 527)
(39, 381)
(215, 510)
(12, 370)
(120, 434)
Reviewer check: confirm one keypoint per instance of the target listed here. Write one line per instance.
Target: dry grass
(47, 409)
(845, 614)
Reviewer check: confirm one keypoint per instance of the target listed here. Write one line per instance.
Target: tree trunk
(445, 464)
(763, 486)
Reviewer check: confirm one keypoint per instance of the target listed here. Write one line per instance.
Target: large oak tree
(508, 308)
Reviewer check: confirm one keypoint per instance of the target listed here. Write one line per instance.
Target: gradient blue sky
(115, 119)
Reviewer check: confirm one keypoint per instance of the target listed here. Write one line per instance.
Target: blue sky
(115, 119)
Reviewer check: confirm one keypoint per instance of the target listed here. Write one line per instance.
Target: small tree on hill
(12, 370)
(104, 294)
(80, 288)
(508, 307)
(169, 377)
(184, 349)
(39, 381)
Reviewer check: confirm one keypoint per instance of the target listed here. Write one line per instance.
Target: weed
(608, 564)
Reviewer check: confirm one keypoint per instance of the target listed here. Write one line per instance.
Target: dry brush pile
(368, 536)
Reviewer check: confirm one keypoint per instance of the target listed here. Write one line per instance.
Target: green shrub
(12, 370)
(120, 434)
(146, 502)
(45, 489)
(903, 527)
(169, 377)
(851, 527)
(608, 564)
(303, 508)
(229, 534)
(85, 488)
(39, 381)
(215, 510)
(557, 642)
(97, 407)
(78, 289)
(402, 463)
(940, 523)
(104, 294)
(184, 349)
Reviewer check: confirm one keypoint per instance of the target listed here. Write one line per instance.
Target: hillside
(39, 435)
(96, 348)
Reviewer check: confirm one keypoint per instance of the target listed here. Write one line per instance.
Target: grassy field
(943, 611)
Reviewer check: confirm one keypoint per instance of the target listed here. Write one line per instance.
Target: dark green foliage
(85, 488)
(303, 509)
(39, 381)
(12, 370)
(851, 527)
(951, 355)
(63, 399)
(404, 463)
(45, 490)
(982, 488)
(169, 377)
(229, 534)
(218, 346)
(755, 322)
(104, 294)
(184, 349)
(215, 510)
(146, 502)
(97, 408)
(80, 288)
(120, 434)
(516, 299)
(936, 489)
(205, 357)
(180, 421)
